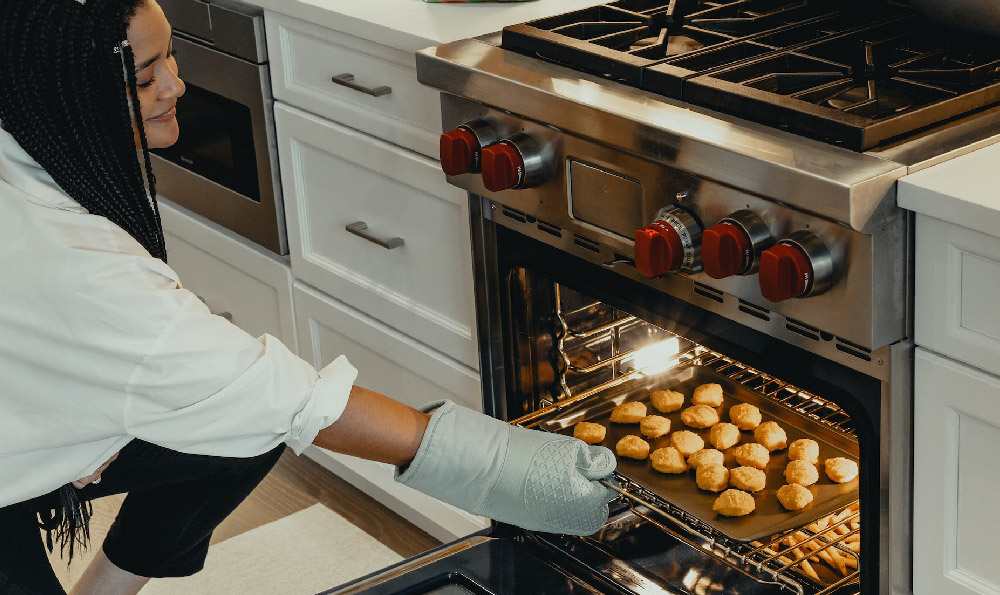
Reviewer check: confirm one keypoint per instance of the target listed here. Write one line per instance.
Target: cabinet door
(395, 365)
(956, 484)
(235, 278)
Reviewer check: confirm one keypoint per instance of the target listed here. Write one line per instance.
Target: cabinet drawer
(233, 277)
(957, 279)
(305, 58)
(334, 177)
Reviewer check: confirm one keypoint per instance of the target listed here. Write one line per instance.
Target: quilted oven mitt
(536, 480)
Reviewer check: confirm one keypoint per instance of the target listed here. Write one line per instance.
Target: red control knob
(726, 250)
(459, 152)
(503, 167)
(785, 272)
(658, 249)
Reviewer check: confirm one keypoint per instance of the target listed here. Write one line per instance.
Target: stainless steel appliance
(225, 164)
(670, 193)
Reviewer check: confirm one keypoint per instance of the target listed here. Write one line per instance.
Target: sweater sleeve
(207, 387)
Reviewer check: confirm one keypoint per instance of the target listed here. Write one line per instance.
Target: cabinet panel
(384, 98)
(955, 516)
(397, 366)
(957, 280)
(233, 277)
(334, 177)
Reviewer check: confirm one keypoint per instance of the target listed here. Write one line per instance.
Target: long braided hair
(67, 83)
(66, 88)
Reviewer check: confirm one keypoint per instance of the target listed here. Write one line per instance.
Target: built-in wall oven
(224, 166)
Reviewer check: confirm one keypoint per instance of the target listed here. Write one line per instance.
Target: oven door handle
(359, 228)
(347, 80)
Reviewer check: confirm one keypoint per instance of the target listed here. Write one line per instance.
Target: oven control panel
(658, 222)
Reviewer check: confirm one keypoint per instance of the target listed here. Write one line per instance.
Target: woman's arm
(375, 427)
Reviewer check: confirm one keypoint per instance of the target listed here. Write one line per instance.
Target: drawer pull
(358, 228)
(347, 80)
(227, 315)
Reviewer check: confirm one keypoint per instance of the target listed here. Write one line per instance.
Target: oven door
(224, 165)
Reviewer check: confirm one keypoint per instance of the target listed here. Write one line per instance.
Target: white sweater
(100, 344)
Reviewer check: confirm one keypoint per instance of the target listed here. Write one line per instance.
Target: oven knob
(515, 162)
(799, 266)
(671, 242)
(731, 246)
(461, 149)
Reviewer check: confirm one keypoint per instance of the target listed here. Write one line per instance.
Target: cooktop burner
(856, 75)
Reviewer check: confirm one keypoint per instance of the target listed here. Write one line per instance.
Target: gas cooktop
(853, 74)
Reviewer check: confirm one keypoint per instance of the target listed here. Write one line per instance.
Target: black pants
(175, 501)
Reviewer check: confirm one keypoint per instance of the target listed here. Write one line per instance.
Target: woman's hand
(94, 477)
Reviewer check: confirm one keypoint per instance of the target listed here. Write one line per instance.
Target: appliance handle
(359, 228)
(347, 80)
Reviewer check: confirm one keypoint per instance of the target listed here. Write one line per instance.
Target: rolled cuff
(325, 406)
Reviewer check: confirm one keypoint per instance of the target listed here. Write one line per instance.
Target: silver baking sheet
(769, 517)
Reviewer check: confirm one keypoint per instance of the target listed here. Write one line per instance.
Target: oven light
(657, 357)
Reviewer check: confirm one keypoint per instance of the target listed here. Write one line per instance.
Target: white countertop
(964, 191)
(411, 25)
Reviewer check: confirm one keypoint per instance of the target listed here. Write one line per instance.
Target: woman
(116, 379)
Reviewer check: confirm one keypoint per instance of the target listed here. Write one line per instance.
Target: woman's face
(149, 35)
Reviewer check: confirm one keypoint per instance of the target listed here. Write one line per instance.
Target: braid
(63, 100)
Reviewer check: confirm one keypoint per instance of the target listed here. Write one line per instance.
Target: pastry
(803, 473)
(734, 503)
(632, 447)
(666, 401)
(745, 416)
(771, 435)
(628, 413)
(723, 435)
(748, 479)
(668, 460)
(804, 449)
(700, 416)
(707, 394)
(752, 454)
(590, 433)
(794, 497)
(712, 478)
(654, 426)
(841, 470)
(705, 456)
(686, 442)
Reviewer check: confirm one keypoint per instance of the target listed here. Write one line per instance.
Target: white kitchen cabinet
(335, 177)
(955, 514)
(396, 365)
(233, 276)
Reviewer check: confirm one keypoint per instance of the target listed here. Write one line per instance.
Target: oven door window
(216, 141)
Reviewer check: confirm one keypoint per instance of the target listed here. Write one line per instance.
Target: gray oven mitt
(536, 480)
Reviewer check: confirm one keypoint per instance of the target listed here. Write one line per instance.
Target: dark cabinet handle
(347, 80)
(359, 228)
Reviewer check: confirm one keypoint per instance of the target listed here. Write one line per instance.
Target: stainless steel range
(668, 194)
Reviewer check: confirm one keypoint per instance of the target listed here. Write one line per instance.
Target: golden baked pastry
(700, 416)
(590, 433)
(705, 456)
(654, 426)
(666, 401)
(745, 416)
(752, 454)
(734, 503)
(748, 479)
(804, 449)
(712, 478)
(771, 435)
(794, 497)
(628, 413)
(803, 473)
(668, 460)
(723, 435)
(686, 442)
(707, 394)
(841, 470)
(632, 447)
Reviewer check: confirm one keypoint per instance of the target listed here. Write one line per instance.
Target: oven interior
(578, 339)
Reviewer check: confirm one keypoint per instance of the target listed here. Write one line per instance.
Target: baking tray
(769, 517)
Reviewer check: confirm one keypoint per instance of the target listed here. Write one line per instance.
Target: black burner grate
(845, 75)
